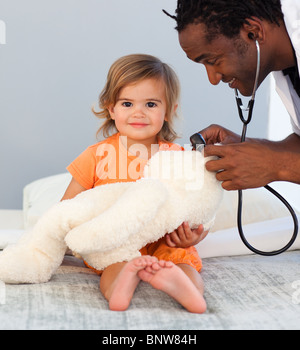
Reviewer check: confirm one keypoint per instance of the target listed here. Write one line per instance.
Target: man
(221, 34)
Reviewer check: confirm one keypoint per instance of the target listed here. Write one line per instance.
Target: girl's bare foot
(169, 278)
(123, 287)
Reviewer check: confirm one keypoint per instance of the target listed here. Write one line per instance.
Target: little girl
(138, 104)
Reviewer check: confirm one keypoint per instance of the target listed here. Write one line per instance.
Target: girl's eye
(127, 104)
(151, 104)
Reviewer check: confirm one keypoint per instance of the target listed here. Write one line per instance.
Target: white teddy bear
(111, 223)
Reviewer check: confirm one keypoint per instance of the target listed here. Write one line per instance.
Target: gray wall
(53, 67)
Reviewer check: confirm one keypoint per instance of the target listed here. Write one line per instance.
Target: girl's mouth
(138, 125)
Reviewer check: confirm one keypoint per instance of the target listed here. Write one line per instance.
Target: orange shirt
(109, 161)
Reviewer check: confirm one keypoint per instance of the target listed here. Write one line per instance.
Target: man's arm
(290, 159)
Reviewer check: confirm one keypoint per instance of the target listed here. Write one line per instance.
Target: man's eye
(211, 62)
(127, 104)
(151, 104)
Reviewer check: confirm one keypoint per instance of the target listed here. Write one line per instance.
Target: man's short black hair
(225, 17)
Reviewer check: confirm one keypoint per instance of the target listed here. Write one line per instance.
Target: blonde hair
(132, 69)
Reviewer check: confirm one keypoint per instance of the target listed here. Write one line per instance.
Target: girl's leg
(182, 282)
(194, 275)
(119, 281)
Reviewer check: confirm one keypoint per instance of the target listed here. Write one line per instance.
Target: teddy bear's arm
(137, 206)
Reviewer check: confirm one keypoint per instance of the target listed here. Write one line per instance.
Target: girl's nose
(139, 111)
(213, 76)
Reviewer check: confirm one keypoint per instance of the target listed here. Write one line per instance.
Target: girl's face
(140, 111)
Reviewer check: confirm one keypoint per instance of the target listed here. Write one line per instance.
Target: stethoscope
(198, 143)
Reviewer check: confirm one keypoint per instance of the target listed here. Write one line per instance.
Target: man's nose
(213, 76)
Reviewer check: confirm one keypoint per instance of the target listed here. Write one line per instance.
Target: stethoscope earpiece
(251, 36)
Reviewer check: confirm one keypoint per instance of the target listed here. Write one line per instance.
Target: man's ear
(253, 29)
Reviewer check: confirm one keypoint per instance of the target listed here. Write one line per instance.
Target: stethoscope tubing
(245, 122)
(241, 232)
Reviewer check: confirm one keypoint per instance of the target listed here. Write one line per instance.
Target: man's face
(231, 61)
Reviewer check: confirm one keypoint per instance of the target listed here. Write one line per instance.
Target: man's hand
(253, 163)
(243, 165)
(217, 134)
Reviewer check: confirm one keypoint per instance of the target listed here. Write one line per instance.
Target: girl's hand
(184, 237)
